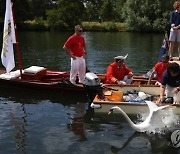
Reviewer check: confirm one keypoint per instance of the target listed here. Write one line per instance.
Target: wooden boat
(102, 105)
(43, 79)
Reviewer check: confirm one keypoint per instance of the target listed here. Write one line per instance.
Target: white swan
(145, 124)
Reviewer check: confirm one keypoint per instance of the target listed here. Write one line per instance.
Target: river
(39, 123)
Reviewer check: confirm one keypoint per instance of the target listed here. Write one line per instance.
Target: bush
(103, 26)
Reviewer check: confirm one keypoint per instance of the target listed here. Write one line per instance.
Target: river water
(60, 123)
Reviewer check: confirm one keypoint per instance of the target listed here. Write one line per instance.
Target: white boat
(132, 107)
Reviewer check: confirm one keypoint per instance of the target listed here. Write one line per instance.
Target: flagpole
(17, 41)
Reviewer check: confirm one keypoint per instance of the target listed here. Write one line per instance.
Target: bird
(145, 125)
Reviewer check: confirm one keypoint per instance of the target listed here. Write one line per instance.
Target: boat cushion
(34, 69)
(10, 75)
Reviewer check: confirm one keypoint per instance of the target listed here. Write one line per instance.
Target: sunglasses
(80, 31)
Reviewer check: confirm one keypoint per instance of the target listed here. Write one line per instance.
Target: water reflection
(77, 123)
(19, 122)
(158, 143)
(29, 96)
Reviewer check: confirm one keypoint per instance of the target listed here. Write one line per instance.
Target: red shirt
(115, 73)
(76, 45)
(160, 67)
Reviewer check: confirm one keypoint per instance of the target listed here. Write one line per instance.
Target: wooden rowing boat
(43, 79)
(115, 98)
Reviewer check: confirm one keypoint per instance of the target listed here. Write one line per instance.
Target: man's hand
(73, 57)
(176, 90)
(130, 75)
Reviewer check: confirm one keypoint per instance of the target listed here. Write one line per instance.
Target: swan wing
(162, 107)
(152, 106)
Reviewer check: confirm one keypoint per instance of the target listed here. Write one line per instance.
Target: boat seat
(10, 75)
(34, 69)
(34, 73)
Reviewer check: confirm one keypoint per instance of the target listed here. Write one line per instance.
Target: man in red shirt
(76, 49)
(118, 73)
(159, 69)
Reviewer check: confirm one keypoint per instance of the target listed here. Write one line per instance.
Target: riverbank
(87, 26)
(104, 26)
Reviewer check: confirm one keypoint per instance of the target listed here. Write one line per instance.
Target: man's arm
(68, 52)
(151, 76)
(162, 90)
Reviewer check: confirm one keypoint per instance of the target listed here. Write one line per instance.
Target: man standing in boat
(159, 69)
(170, 82)
(118, 73)
(175, 28)
(76, 48)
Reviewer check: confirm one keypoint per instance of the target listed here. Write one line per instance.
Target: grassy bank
(104, 26)
(40, 25)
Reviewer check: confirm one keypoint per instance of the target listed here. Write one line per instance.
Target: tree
(67, 14)
(107, 11)
(147, 16)
(92, 9)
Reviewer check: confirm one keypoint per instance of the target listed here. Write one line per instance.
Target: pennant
(7, 54)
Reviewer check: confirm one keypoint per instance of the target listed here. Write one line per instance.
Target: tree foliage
(139, 15)
(66, 15)
(147, 15)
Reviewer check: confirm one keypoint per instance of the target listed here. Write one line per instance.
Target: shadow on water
(29, 96)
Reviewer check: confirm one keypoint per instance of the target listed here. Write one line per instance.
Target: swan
(145, 125)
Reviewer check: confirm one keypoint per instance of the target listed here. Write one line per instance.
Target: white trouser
(126, 80)
(78, 67)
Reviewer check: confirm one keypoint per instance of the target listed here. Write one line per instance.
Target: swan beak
(110, 111)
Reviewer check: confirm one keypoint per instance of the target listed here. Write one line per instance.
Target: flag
(7, 54)
(164, 47)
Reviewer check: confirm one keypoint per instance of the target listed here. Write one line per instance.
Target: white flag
(7, 55)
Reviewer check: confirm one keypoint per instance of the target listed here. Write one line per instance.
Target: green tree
(66, 15)
(147, 15)
(107, 11)
(92, 9)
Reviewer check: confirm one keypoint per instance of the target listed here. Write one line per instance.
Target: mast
(17, 41)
